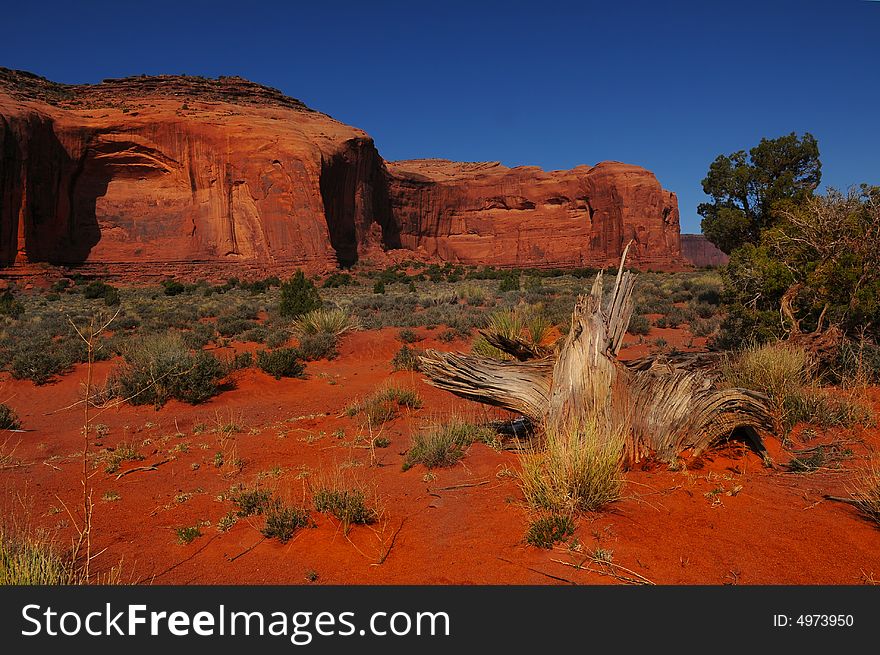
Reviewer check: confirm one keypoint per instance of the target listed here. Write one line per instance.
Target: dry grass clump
(579, 469)
(786, 374)
(384, 404)
(866, 495)
(780, 371)
(31, 559)
(443, 444)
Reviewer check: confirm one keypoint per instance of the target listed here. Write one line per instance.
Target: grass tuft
(578, 470)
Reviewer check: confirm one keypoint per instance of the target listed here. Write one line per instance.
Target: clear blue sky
(666, 85)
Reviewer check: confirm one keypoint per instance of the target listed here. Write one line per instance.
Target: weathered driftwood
(662, 406)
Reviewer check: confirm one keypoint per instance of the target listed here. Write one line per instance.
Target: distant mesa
(178, 173)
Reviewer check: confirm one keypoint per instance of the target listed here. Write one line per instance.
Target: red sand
(727, 519)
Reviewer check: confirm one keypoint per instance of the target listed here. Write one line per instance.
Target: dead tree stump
(662, 408)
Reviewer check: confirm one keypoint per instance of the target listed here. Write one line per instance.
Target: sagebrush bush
(250, 501)
(446, 443)
(579, 469)
(639, 324)
(313, 347)
(549, 529)
(407, 359)
(282, 521)
(281, 363)
(159, 367)
(346, 504)
(8, 418)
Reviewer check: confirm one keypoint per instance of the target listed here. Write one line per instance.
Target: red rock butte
(173, 173)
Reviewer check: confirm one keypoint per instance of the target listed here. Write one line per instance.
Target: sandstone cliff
(176, 171)
(485, 212)
(699, 251)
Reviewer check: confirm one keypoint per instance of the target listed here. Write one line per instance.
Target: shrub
(509, 283)
(317, 346)
(124, 452)
(347, 505)
(578, 470)
(409, 336)
(379, 287)
(407, 359)
(8, 418)
(382, 405)
(251, 501)
(856, 363)
(550, 529)
(38, 361)
(338, 280)
(639, 325)
(280, 363)
(237, 362)
(445, 444)
(160, 367)
(282, 521)
(172, 287)
(298, 296)
(231, 326)
(9, 306)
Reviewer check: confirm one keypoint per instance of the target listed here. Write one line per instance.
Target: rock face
(699, 251)
(488, 213)
(177, 171)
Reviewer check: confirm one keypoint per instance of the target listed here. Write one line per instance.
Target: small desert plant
(188, 534)
(124, 452)
(349, 505)
(509, 283)
(408, 335)
(446, 443)
(508, 323)
(225, 523)
(298, 296)
(335, 322)
(313, 347)
(8, 418)
(251, 501)
(578, 470)
(382, 405)
(639, 324)
(280, 363)
(407, 359)
(282, 521)
(550, 529)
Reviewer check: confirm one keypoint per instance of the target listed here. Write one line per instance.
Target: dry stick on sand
(661, 408)
(611, 572)
(85, 531)
(149, 467)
